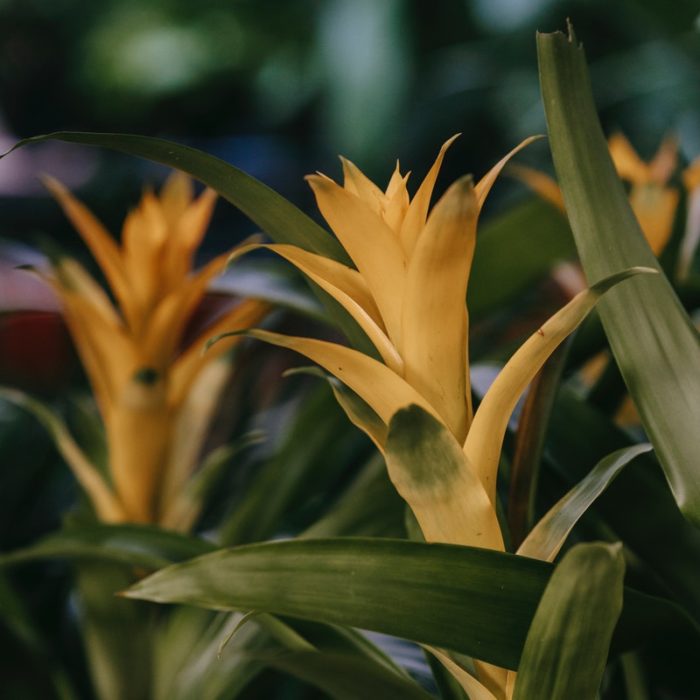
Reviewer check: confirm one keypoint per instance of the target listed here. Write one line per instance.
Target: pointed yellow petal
(628, 164)
(374, 382)
(370, 243)
(346, 286)
(105, 502)
(483, 444)
(691, 235)
(418, 209)
(483, 187)
(186, 368)
(434, 313)
(100, 339)
(691, 176)
(175, 196)
(191, 424)
(357, 183)
(470, 685)
(540, 183)
(396, 201)
(186, 235)
(144, 234)
(169, 319)
(101, 244)
(664, 163)
(655, 209)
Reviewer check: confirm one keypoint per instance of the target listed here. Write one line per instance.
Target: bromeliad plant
(398, 273)
(155, 397)
(407, 293)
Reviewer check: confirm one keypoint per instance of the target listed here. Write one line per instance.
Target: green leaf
(315, 447)
(547, 537)
(15, 616)
(567, 646)
(369, 507)
(132, 545)
(116, 635)
(529, 443)
(347, 677)
(650, 334)
(270, 211)
(638, 505)
(437, 594)
(536, 238)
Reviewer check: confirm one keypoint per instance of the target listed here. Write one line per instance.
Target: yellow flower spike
(484, 441)
(418, 208)
(434, 341)
(370, 243)
(144, 387)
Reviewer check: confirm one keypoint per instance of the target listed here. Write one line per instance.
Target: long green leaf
(650, 334)
(436, 594)
(133, 545)
(638, 506)
(529, 443)
(567, 646)
(274, 214)
(270, 211)
(548, 536)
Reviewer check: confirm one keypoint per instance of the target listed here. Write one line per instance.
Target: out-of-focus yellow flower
(652, 200)
(691, 235)
(155, 398)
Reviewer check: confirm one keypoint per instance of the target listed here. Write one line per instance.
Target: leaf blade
(565, 652)
(650, 334)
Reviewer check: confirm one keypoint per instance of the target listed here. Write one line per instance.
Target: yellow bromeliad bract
(155, 398)
(407, 292)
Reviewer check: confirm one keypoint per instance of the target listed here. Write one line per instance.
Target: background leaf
(437, 594)
(567, 646)
(650, 334)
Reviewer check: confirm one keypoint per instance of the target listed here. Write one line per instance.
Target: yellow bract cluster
(149, 390)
